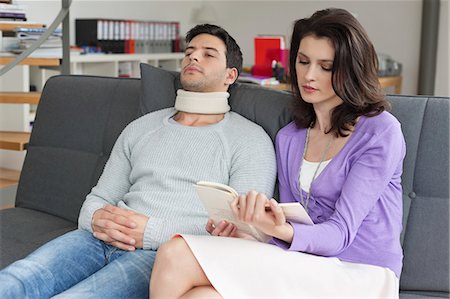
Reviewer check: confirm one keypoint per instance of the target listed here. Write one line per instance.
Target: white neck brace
(202, 102)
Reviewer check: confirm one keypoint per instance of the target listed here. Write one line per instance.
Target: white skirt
(248, 269)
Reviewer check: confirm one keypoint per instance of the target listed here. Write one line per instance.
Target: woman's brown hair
(354, 72)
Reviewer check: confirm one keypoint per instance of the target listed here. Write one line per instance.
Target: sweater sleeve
(113, 184)
(158, 229)
(367, 179)
(253, 165)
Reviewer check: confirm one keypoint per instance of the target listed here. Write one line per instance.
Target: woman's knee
(173, 252)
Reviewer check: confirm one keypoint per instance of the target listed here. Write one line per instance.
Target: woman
(341, 158)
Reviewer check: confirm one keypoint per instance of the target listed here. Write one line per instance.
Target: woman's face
(314, 64)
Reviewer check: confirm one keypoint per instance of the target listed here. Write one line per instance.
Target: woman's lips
(308, 89)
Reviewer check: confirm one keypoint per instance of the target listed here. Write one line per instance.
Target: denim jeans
(77, 265)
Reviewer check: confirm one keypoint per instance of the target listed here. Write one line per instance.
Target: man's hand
(119, 227)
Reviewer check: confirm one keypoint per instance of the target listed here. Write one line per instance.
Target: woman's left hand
(266, 215)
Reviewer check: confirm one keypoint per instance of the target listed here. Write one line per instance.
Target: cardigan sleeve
(365, 183)
(285, 193)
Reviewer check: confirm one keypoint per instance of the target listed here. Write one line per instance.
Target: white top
(307, 172)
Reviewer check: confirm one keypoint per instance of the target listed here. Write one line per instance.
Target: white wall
(393, 26)
(442, 83)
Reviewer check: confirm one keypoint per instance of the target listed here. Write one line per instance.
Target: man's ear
(232, 74)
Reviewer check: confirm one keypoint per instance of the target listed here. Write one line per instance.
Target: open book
(217, 197)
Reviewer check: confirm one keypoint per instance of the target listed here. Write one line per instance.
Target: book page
(217, 199)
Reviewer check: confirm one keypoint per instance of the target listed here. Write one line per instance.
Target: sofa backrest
(77, 122)
(425, 182)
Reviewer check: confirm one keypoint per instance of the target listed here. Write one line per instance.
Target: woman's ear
(232, 74)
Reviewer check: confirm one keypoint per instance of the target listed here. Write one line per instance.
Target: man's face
(203, 68)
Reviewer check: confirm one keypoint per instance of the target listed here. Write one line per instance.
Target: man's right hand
(110, 225)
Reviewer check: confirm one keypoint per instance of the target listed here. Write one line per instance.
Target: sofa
(79, 118)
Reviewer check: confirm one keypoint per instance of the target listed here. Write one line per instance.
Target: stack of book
(52, 47)
(12, 12)
(261, 80)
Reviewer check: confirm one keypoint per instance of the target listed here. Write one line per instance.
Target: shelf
(96, 58)
(16, 141)
(393, 81)
(31, 61)
(20, 97)
(385, 82)
(8, 177)
(10, 26)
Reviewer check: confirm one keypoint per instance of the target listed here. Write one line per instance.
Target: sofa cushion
(266, 107)
(24, 230)
(158, 88)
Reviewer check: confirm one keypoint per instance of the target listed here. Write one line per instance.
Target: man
(145, 194)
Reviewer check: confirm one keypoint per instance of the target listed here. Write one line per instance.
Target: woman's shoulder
(290, 129)
(379, 124)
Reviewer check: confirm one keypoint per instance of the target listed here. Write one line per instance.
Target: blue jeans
(77, 265)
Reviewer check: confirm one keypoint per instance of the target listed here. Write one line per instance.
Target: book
(261, 80)
(217, 198)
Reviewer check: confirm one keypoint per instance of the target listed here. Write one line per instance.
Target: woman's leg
(203, 292)
(177, 272)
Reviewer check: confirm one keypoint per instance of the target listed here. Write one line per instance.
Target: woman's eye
(303, 62)
(327, 68)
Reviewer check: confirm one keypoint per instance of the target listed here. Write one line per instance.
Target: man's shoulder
(149, 119)
(244, 125)
(145, 124)
(241, 133)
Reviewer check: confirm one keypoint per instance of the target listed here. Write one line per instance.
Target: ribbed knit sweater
(156, 161)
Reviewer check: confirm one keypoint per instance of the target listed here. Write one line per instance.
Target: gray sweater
(156, 161)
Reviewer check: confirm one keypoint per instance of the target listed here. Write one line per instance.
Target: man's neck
(201, 108)
(197, 120)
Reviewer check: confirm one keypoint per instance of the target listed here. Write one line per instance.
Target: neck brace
(202, 102)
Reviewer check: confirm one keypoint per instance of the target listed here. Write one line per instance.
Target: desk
(385, 82)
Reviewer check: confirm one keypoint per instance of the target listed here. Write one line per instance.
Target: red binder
(267, 49)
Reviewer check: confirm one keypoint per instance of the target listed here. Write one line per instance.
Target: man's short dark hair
(233, 51)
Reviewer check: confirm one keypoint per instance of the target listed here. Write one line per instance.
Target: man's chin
(192, 86)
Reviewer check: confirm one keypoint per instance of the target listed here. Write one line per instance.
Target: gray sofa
(80, 117)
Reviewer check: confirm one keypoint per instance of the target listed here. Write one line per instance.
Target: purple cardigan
(356, 202)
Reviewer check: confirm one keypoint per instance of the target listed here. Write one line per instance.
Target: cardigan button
(412, 194)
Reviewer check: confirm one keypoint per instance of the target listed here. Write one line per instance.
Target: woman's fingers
(210, 226)
(249, 206)
(280, 218)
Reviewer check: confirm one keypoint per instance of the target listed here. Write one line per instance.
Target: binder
(267, 49)
(128, 36)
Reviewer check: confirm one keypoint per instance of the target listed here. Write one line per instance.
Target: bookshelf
(17, 102)
(109, 64)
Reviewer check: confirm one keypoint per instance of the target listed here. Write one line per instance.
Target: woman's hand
(266, 215)
(226, 229)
